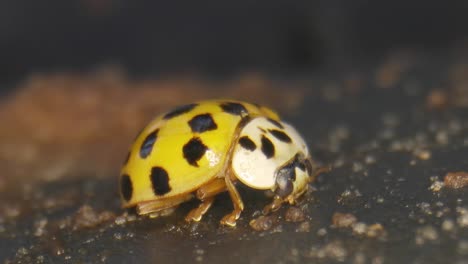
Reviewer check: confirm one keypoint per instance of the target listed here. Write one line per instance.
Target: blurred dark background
(218, 38)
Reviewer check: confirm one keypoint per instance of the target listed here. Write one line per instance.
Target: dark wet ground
(390, 144)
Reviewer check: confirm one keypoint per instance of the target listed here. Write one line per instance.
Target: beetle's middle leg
(206, 195)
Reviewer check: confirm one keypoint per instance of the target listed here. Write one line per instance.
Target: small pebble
(87, 217)
(448, 225)
(342, 220)
(322, 232)
(456, 180)
(294, 214)
(426, 233)
(359, 228)
(263, 223)
(436, 186)
(303, 227)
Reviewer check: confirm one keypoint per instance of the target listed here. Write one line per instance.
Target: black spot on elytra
(148, 143)
(126, 187)
(267, 147)
(194, 150)
(276, 123)
(280, 135)
(247, 143)
(234, 108)
(179, 111)
(202, 123)
(160, 181)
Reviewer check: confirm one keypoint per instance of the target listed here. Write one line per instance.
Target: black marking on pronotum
(247, 143)
(148, 143)
(276, 123)
(126, 187)
(202, 123)
(179, 110)
(160, 181)
(280, 135)
(234, 108)
(301, 165)
(194, 150)
(300, 162)
(261, 129)
(267, 147)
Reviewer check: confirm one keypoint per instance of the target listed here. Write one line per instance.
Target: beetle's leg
(161, 207)
(274, 205)
(211, 189)
(206, 194)
(319, 171)
(196, 214)
(230, 219)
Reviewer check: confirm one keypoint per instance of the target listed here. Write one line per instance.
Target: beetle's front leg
(230, 219)
(274, 205)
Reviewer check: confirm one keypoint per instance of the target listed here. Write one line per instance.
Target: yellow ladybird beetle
(205, 148)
